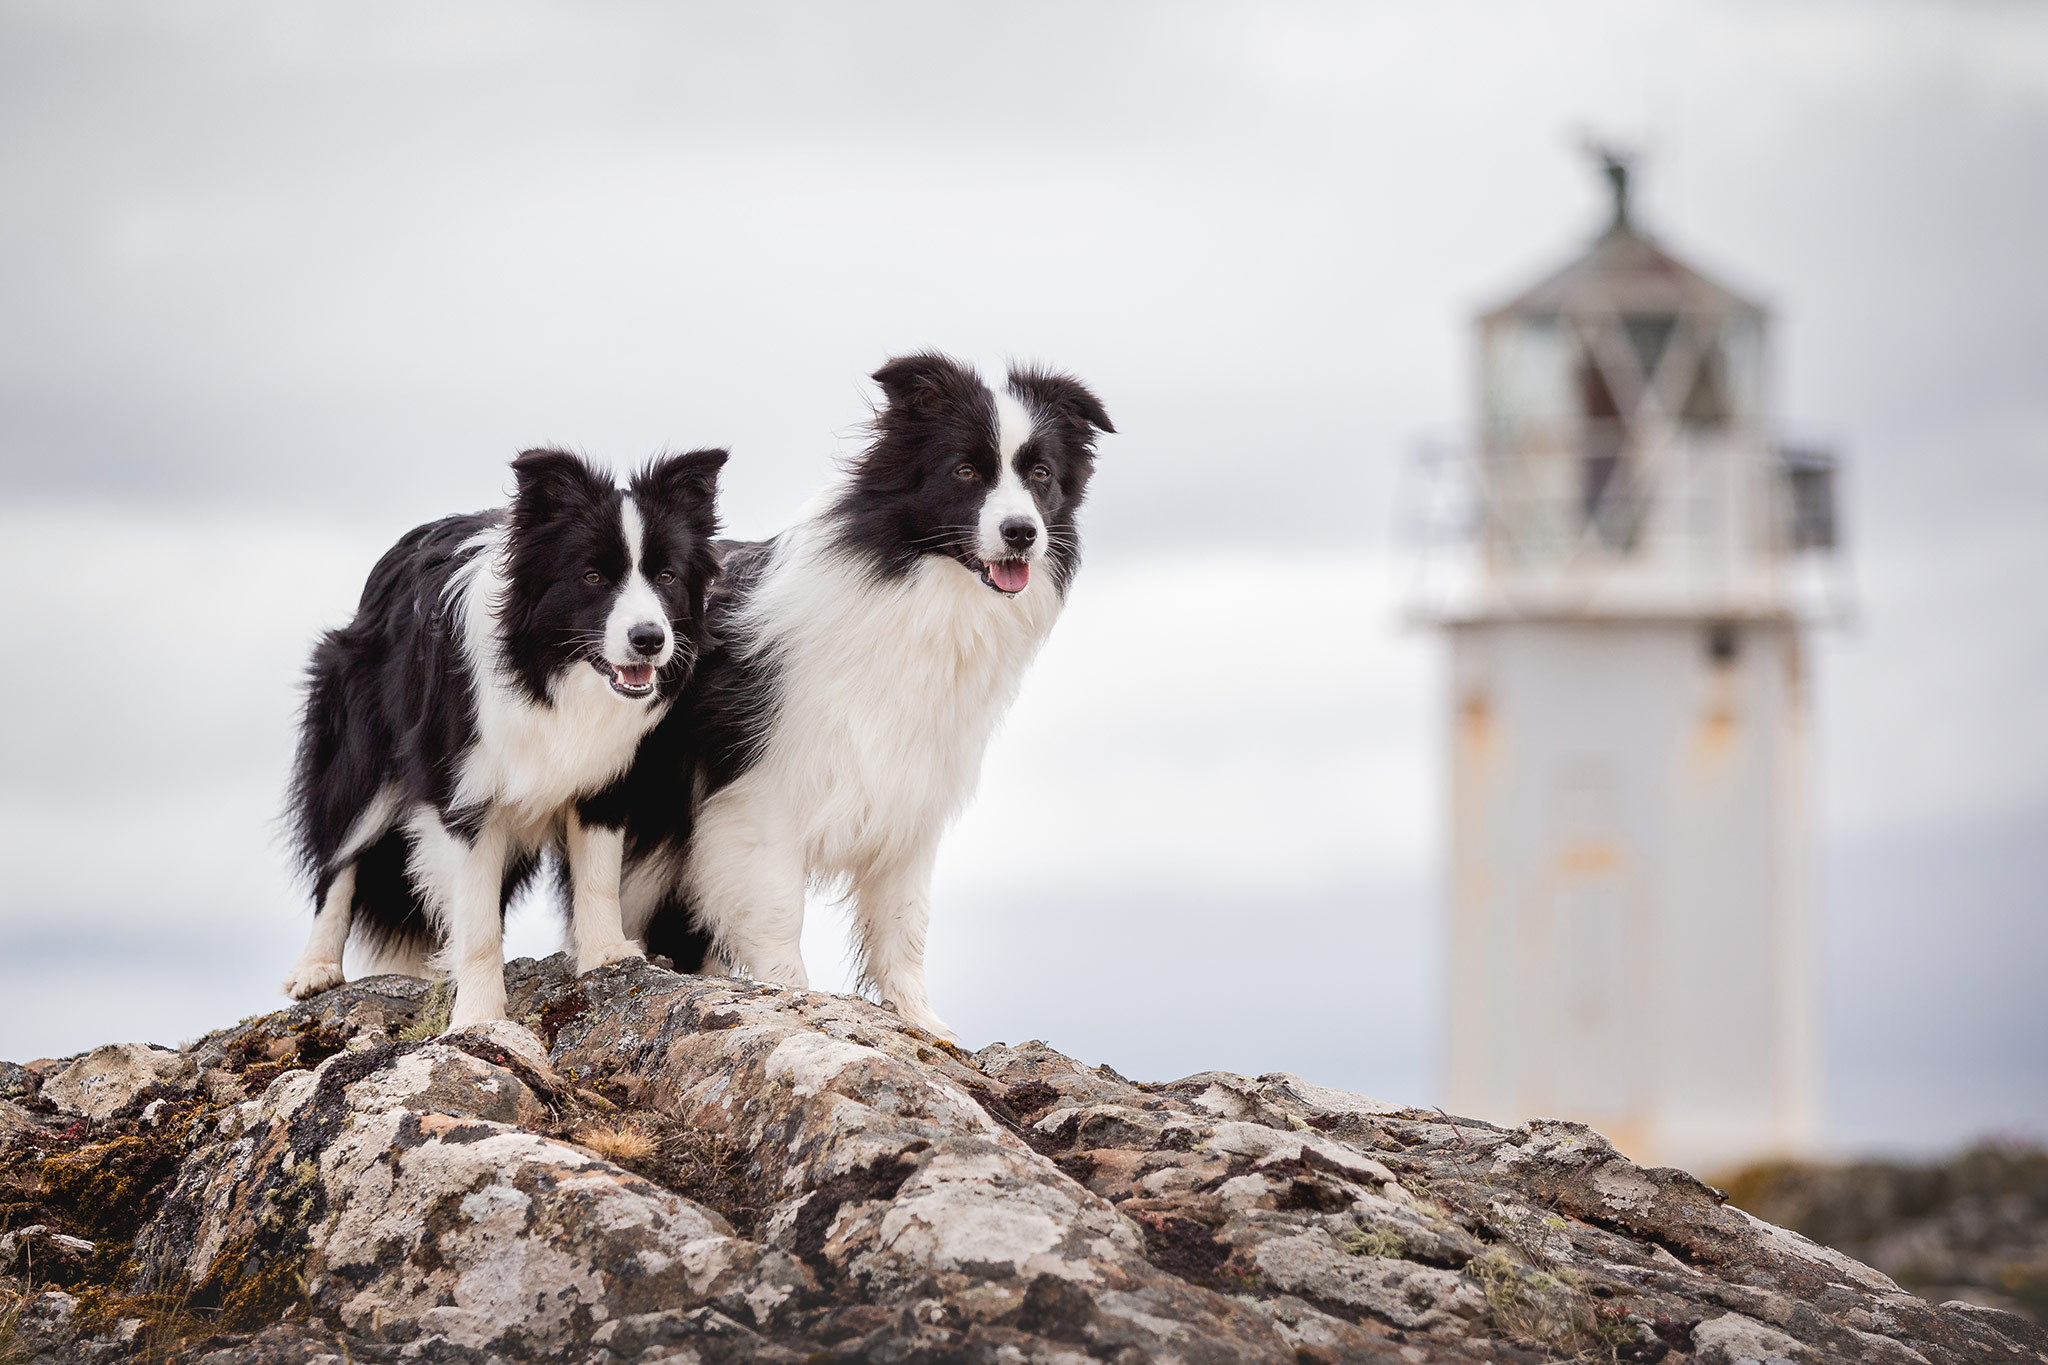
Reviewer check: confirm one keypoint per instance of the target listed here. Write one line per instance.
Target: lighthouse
(1629, 694)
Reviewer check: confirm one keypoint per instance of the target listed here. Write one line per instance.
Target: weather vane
(1615, 164)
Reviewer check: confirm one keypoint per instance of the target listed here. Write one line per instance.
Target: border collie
(500, 671)
(860, 662)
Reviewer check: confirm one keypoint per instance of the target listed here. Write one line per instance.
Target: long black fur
(391, 696)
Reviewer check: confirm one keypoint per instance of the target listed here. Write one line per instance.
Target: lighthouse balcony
(1601, 522)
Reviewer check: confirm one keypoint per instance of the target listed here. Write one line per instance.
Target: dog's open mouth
(1008, 576)
(628, 680)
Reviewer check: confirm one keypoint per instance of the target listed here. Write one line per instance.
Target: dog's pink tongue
(636, 675)
(1010, 574)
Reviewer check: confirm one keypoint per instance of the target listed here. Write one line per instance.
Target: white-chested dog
(481, 708)
(859, 664)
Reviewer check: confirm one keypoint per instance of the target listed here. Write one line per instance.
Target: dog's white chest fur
(530, 761)
(886, 696)
(534, 760)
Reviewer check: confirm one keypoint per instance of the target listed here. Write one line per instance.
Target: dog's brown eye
(966, 473)
(1039, 473)
(665, 577)
(593, 577)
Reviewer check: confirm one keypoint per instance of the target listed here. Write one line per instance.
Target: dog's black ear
(911, 381)
(550, 480)
(681, 480)
(1061, 395)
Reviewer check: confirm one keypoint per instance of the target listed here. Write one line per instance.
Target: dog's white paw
(460, 1018)
(625, 950)
(921, 1016)
(310, 977)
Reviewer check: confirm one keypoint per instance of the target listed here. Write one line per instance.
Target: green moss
(292, 1206)
(104, 1191)
(1374, 1242)
(1546, 1311)
(253, 1286)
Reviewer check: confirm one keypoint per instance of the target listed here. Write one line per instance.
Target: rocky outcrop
(1973, 1226)
(657, 1167)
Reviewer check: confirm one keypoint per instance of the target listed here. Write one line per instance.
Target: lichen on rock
(110, 1078)
(659, 1167)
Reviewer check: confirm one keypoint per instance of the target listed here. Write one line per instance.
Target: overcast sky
(278, 282)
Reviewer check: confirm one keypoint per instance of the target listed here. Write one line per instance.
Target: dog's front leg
(746, 878)
(319, 967)
(892, 909)
(464, 875)
(596, 854)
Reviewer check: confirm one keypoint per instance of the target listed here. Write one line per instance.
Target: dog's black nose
(647, 637)
(1019, 532)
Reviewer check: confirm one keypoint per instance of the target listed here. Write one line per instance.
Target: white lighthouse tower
(1628, 883)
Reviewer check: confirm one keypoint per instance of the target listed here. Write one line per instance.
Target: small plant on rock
(435, 1012)
(1533, 1308)
(1374, 1242)
(616, 1142)
(13, 1350)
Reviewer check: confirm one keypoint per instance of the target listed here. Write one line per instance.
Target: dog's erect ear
(681, 480)
(550, 480)
(1061, 395)
(911, 381)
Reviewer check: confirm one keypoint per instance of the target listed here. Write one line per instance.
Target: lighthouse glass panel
(1706, 399)
(1524, 387)
(1607, 492)
(1648, 335)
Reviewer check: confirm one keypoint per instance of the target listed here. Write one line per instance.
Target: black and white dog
(499, 674)
(860, 662)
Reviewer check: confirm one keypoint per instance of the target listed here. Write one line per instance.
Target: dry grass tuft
(434, 1014)
(616, 1142)
(13, 1350)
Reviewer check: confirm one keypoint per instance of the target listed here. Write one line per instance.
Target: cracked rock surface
(654, 1167)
